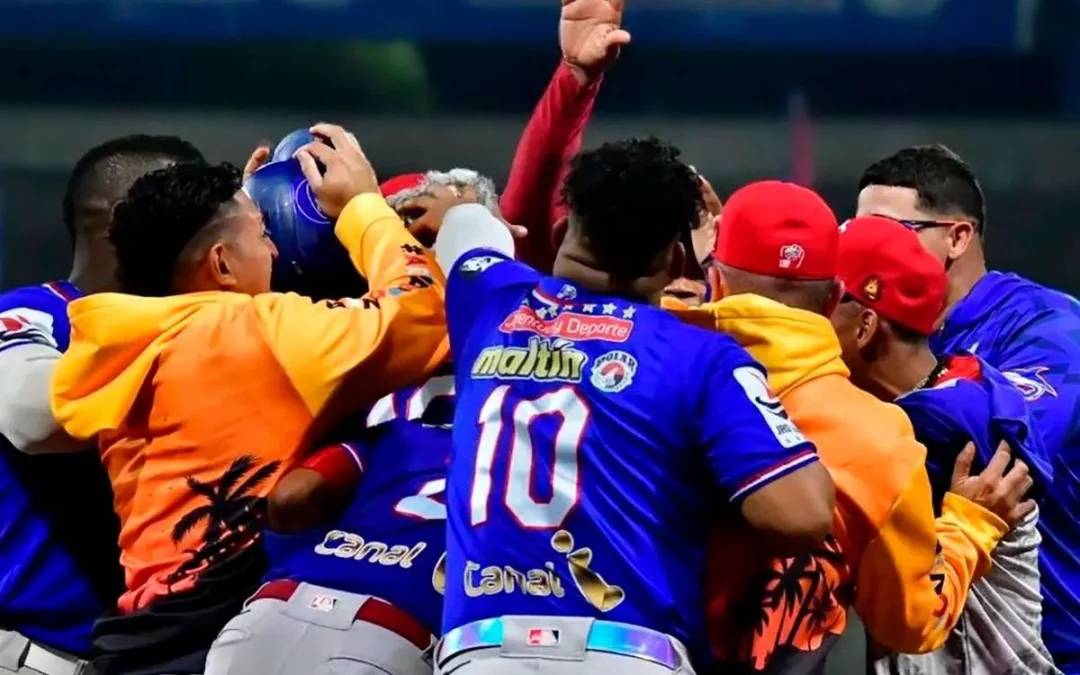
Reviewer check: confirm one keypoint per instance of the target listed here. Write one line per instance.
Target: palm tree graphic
(232, 514)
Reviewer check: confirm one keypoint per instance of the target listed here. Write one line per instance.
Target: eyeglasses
(916, 225)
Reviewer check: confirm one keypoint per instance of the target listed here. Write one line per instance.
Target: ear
(217, 266)
(715, 278)
(677, 265)
(835, 296)
(961, 236)
(869, 325)
(558, 232)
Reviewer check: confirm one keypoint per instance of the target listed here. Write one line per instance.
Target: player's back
(390, 539)
(583, 474)
(970, 401)
(57, 546)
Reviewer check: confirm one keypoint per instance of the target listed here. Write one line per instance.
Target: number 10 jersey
(594, 441)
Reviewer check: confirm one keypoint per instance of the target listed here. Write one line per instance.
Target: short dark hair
(161, 214)
(806, 294)
(631, 199)
(943, 182)
(906, 335)
(104, 174)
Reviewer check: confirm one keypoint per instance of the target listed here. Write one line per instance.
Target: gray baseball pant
(303, 636)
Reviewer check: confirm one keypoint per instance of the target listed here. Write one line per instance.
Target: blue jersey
(58, 548)
(970, 401)
(593, 438)
(1032, 335)
(389, 542)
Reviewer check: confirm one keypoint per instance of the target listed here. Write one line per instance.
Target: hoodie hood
(794, 345)
(115, 341)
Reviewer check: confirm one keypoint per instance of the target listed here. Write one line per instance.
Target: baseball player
(895, 296)
(1028, 332)
(595, 435)
(362, 589)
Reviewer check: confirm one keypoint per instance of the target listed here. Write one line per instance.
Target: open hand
(590, 35)
(259, 157)
(348, 171)
(994, 489)
(423, 214)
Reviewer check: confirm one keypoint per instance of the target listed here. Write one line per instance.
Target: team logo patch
(26, 325)
(1030, 382)
(479, 264)
(613, 371)
(791, 256)
(872, 288)
(321, 602)
(756, 387)
(567, 292)
(542, 637)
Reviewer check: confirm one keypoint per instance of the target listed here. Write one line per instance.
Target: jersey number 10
(573, 413)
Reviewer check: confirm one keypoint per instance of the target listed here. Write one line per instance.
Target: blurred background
(810, 90)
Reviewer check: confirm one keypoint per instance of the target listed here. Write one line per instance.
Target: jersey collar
(64, 289)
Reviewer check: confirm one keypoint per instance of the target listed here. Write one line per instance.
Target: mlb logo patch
(542, 637)
(321, 602)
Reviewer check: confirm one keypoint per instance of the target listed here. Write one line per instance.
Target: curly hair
(630, 200)
(161, 214)
(105, 172)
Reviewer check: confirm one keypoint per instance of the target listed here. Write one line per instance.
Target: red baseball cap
(779, 229)
(407, 181)
(884, 266)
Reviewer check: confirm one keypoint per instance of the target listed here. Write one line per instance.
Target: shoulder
(32, 314)
(1042, 313)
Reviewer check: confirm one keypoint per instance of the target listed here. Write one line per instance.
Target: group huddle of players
(600, 423)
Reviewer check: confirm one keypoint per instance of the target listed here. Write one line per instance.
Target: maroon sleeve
(551, 139)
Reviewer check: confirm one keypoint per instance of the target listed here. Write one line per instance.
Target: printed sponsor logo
(341, 544)
(568, 325)
(756, 388)
(543, 361)
(613, 371)
(480, 580)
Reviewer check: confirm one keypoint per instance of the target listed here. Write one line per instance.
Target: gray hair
(457, 180)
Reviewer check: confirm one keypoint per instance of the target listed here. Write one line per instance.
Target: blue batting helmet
(311, 261)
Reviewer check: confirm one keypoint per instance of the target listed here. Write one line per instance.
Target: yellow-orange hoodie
(198, 400)
(907, 573)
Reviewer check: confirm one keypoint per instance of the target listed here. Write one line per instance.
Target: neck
(582, 272)
(963, 275)
(93, 271)
(901, 370)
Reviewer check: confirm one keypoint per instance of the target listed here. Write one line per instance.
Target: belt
(604, 636)
(374, 611)
(49, 662)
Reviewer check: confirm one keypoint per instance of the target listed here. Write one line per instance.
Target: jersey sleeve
(1041, 364)
(476, 283)
(29, 350)
(357, 350)
(550, 141)
(749, 438)
(915, 574)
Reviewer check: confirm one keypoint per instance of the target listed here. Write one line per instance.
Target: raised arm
(590, 38)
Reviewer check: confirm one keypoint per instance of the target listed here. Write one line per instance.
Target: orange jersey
(199, 401)
(906, 573)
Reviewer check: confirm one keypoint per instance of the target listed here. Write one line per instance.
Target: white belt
(51, 663)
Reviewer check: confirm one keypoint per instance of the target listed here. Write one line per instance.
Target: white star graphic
(568, 308)
(628, 313)
(609, 308)
(588, 307)
(542, 312)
